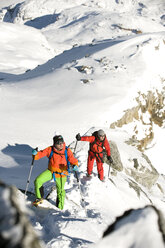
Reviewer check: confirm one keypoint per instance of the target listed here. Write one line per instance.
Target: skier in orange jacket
(57, 169)
(97, 141)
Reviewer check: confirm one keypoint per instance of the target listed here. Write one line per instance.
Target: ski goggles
(101, 136)
(59, 142)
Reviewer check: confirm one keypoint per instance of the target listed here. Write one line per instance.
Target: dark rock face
(15, 228)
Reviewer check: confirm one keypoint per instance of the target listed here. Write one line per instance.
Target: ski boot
(37, 202)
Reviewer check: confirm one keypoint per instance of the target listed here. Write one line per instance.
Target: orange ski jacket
(57, 163)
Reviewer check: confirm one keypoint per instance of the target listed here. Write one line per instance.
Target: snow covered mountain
(76, 66)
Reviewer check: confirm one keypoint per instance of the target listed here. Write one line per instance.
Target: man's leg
(90, 163)
(40, 180)
(100, 170)
(60, 184)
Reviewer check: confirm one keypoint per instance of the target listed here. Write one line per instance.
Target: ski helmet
(58, 139)
(101, 133)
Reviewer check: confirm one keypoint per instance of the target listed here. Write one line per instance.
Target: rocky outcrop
(85, 69)
(150, 110)
(117, 164)
(135, 31)
(142, 172)
(15, 228)
(146, 176)
(139, 191)
(143, 227)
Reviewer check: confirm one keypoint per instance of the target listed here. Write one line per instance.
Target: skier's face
(101, 137)
(59, 146)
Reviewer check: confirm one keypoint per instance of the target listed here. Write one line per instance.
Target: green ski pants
(60, 184)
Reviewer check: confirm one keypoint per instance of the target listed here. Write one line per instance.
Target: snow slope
(82, 223)
(61, 80)
(25, 46)
(68, 66)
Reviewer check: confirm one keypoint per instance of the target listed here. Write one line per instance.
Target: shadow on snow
(18, 174)
(20, 153)
(42, 21)
(58, 61)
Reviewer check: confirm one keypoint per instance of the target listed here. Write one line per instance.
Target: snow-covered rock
(138, 228)
(15, 227)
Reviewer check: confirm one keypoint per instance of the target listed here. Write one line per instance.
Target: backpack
(94, 142)
(66, 157)
(95, 134)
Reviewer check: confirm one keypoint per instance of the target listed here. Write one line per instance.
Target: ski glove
(78, 137)
(75, 168)
(110, 159)
(34, 152)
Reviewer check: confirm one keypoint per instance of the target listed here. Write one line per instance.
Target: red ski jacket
(96, 146)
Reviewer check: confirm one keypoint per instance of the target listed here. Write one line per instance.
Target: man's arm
(107, 147)
(43, 153)
(85, 138)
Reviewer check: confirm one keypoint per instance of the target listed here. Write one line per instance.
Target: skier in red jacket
(97, 141)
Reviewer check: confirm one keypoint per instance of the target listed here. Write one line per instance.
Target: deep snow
(68, 66)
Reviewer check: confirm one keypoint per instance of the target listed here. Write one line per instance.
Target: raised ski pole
(31, 168)
(78, 183)
(75, 147)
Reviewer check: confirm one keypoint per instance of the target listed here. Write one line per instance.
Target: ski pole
(31, 168)
(108, 171)
(78, 183)
(74, 155)
(75, 147)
